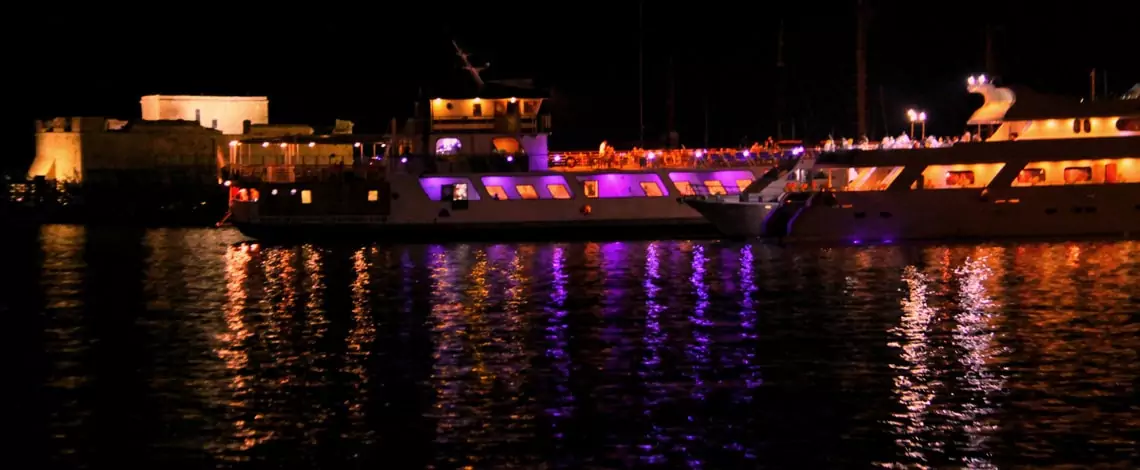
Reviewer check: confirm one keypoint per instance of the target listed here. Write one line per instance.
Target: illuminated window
(506, 144)
(306, 196)
(527, 191)
(1078, 174)
(373, 196)
(742, 184)
(591, 188)
(448, 146)
(684, 188)
(460, 193)
(1031, 176)
(1111, 173)
(254, 195)
(497, 193)
(715, 187)
(528, 107)
(960, 178)
(558, 191)
(651, 188)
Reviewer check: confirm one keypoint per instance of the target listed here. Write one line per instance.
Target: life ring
(571, 162)
(586, 209)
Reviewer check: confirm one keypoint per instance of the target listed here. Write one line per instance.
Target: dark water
(178, 348)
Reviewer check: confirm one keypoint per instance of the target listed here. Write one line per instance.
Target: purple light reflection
(695, 429)
(614, 271)
(699, 352)
(557, 343)
(748, 334)
(448, 326)
(650, 373)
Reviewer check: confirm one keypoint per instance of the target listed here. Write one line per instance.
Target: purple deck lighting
(727, 178)
(615, 185)
(432, 185)
(541, 185)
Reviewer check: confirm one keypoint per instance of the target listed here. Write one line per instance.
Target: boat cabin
(1038, 141)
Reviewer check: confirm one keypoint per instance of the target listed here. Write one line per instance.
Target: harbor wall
(90, 149)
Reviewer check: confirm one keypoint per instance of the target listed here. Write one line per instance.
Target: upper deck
(325, 158)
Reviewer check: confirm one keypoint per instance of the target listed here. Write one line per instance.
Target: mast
(1092, 84)
(641, 73)
(671, 105)
(861, 67)
(782, 83)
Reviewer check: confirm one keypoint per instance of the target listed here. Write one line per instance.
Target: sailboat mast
(641, 74)
(861, 67)
(671, 105)
(782, 83)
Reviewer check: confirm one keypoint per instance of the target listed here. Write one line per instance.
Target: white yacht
(1051, 167)
(482, 169)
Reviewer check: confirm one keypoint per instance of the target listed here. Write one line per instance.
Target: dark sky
(318, 62)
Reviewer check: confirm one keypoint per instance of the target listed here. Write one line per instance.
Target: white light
(234, 143)
(510, 158)
(283, 144)
(922, 116)
(558, 158)
(227, 183)
(747, 153)
(311, 144)
(797, 150)
(356, 144)
(265, 144)
(514, 100)
(274, 192)
(699, 153)
(403, 159)
(650, 156)
(293, 192)
(972, 81)
(982, 79)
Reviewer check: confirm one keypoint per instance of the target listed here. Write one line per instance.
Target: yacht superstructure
(1051, 167)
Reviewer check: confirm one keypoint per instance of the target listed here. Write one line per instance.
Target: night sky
(366, 64)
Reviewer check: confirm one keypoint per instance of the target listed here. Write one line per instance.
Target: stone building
(186, 137)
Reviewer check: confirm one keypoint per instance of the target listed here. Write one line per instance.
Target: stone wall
(224, 113)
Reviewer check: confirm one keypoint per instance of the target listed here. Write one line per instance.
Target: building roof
(205, 98)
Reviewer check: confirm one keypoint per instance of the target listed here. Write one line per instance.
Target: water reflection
(184, 347)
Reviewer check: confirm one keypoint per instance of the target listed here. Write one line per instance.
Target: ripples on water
(183, 346)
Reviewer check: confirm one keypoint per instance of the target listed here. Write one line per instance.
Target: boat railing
(683, 158)
(305, 172)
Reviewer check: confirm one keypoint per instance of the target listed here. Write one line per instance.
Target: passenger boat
(1051, 168)
(487, 174)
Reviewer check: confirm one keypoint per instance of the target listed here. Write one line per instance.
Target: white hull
(1051, 211)
(409, 205)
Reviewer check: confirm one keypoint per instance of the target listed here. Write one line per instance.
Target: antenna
(467, 64)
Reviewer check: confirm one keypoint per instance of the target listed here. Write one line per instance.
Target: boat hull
(1032, 212)
(734, 219)
(687, 228)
